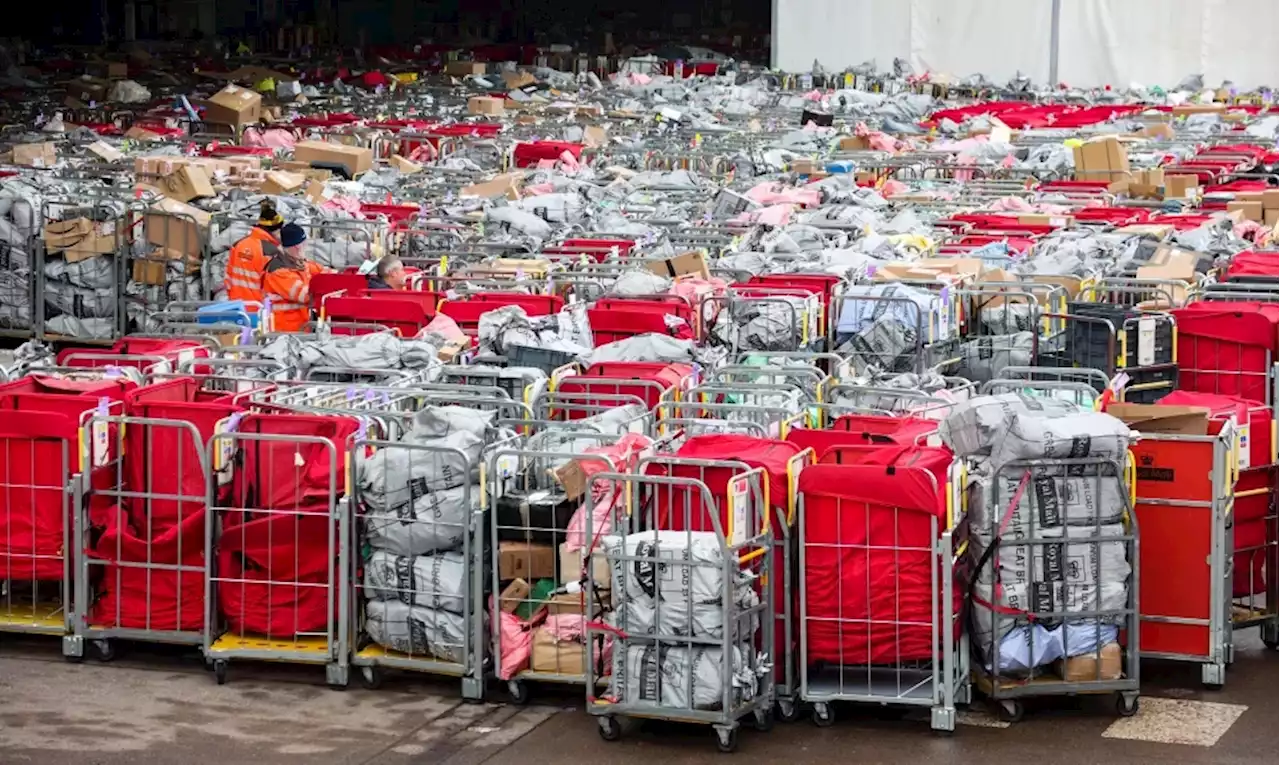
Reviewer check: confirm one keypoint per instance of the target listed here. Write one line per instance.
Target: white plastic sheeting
(1101, 42)
(961, 37)
(1158, 42)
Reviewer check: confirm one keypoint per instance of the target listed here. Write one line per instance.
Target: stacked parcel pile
(1049, 513)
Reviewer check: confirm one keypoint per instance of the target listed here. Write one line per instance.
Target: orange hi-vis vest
(288, 287)
(248, 263)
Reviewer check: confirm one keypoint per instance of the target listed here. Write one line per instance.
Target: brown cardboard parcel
(356, 160)
(505, 184)
(571, 569)
(463, 68)
(1179, 186)
(551, 655)
(187, 183)
(693, 263)
(1153, 418)
(279, 183)
(233, 105)
(1101, 159)
(177, 226)
(80, 238)
(525, 560)
(1249, 210)
(35, 155)
(485, 105)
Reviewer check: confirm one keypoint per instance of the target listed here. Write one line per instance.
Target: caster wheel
(610, 729)
(787, 711)
(519, 692)
(1271, 643)
(764, 720)
(727, 740)
(1011, 711)
(371, 678)
(823, 715)
(1126, 706)
(104, 650)
(73, 659)
(220, 672)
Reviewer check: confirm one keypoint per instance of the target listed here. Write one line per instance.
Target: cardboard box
(524, 560)
(1160, 132)
(571, 569)
(566, 603)
(1248, 210)
(1059, 221)
(1271, 199)
(35, 155)
(80, 238)
(354, 159)
(694, 263)
(90, 90)
(1180, 186)
(486, 105)
(1090, 667)
(1101, 159)
(279, 182)
(111, 70)
(449, 351)
(177, 226)
(594, 136)
(1270, 217)
(1157, 231)
(150, 272)
(515, 80)
(464, 68)
(105, 151)
(187, 183)
(506, 184)
(513, 595)
(136, 133)
(1154, 418)
(234, 106)
(855, 143)
(1199, 109)
(551, 655)
(804, 166)
(404, 165)
(571, 477)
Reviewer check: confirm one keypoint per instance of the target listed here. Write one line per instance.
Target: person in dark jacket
(390, 275)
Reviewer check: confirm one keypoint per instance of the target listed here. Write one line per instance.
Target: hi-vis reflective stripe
(243, 284)
(247, 273)
(278, 304)
(298, 292)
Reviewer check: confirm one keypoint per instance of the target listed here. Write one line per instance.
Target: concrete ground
(152, 706)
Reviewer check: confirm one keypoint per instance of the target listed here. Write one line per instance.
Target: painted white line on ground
(1177, 721)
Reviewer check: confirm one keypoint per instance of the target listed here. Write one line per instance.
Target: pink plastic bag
(623, 456)
(517, 645)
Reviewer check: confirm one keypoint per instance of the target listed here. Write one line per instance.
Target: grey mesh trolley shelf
(690, 597)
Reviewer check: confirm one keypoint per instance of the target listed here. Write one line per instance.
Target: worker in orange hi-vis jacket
(249, 257)
(287, 282)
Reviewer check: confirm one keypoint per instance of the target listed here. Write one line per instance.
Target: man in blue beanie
(287, 282)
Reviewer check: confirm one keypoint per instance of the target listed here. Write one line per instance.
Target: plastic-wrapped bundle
(675, 567)
(983, 358)
(664, 675)
(1009, 318)
(393, 476)
(421, 524)
(415, 630)
(702, 620)
(1042, 598)
(429, 581)
(80, 302)
(1050, 499)
(1072, 562)
(978, 428)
